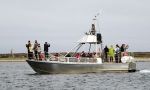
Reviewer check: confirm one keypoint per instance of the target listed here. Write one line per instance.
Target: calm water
(19, 76)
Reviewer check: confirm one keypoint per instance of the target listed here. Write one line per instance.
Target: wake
(144, 71)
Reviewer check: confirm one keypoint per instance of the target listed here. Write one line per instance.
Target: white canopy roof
(88, 39)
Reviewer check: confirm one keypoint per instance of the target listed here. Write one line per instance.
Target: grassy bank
(139, 56)
(11, 59)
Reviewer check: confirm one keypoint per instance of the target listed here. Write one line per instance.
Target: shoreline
(21, 57)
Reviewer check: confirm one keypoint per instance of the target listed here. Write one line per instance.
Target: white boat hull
(55, 67)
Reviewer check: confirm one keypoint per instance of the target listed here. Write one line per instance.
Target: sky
(62, 22)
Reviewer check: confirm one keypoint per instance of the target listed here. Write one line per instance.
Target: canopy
(88, 39)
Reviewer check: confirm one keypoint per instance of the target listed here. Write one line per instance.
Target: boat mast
(98, 36)
(93, 32)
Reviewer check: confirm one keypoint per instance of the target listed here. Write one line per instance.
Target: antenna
(96, 18)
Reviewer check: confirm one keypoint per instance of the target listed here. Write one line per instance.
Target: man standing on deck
(46, 46)
(35, 48)
(111, 53)
(29, 48)
(117, 54)
(106, 50)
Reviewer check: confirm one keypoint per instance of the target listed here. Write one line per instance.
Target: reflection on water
(19, 76)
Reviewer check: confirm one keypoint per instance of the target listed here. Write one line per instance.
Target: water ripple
(19, 76)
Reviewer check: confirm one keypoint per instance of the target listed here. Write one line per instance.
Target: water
(19, 76)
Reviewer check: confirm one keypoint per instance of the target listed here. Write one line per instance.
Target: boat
(73, 62)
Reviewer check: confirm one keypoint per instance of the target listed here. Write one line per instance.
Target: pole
(71, 50)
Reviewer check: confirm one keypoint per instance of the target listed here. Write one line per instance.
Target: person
(111, 53)
(35, 48)
(126, 52)
(117, 51)
(94, 54)
(106, 50)
(39, 52)
(89, 54)
(123, 49)
(41, 56)
(30, 51)
(83, 54)
(77, 56)
(46, 46)
(56, 56)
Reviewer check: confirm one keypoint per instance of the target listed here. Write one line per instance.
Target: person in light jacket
(111, 53)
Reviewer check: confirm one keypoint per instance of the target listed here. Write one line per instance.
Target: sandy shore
(142, 59)
(12, 59)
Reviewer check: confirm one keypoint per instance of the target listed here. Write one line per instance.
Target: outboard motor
(99, 38)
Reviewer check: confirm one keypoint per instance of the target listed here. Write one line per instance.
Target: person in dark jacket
(106, 50)
(46, 46)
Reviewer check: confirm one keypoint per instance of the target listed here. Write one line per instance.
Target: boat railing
(74, 59)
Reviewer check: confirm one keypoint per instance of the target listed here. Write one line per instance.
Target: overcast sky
(63, 22)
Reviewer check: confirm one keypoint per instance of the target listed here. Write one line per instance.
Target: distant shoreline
(21, 57)
(10, 59)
